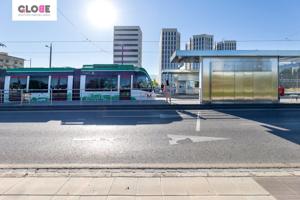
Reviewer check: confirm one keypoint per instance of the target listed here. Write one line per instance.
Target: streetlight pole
(50, 59)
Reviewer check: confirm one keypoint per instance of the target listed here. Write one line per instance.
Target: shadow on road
(92, 118)
(282, 123)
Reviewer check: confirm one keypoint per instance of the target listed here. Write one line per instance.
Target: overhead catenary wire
(68, 52)
(145, 41)
(80, 32)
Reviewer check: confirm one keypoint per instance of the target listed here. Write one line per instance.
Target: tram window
(38, 84)
(59, 83)
(141, 81)
(125, 83)
(18, 83)
(101, 83)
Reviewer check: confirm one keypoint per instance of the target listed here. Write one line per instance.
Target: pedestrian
(162, 87)
(167, 91)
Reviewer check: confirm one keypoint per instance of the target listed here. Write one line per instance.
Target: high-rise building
(226, 45)
(7, 61)
(128, 45)
(199, 42)
(169, 42)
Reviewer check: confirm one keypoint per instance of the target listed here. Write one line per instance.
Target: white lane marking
(273, 127)
(73, 123)
(270, 126)
(54, 122)
(176, 139)
(84, 139)
(87, 139)
(198, 124)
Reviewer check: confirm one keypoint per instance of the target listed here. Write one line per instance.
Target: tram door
(76, 85)
(125, 86)
(59, 86)
(1, 89)
(16, 86)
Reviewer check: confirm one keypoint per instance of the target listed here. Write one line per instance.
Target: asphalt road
(168, 137)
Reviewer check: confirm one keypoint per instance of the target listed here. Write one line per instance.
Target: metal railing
(81, 97)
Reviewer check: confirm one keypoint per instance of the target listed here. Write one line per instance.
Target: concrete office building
(226, 45)
(199, 42)
(249, 76)
(128, 45)
(7, 61)
(169, 42)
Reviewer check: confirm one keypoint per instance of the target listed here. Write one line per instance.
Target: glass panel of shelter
(289, 76)
(242, 80)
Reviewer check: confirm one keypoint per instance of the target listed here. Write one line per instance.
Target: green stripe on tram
(39, 69)
(111, 67)
(94, 67)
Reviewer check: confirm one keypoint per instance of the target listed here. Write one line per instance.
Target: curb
(96, 173)
(151, 166)
(147, 107)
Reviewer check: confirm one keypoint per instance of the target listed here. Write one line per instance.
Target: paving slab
(66, 198)
(26, 198)
(7, 183)
(37, 186)
(236, 186)
(282, 188)
(232, 198)
(86, 186)
(121, 198)
(174, 186)
(198, 186)
(177, 198)
(149, 186)
(123, 186)
(150, 198)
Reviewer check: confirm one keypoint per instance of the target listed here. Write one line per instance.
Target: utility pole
(30, 62)
(50, 59)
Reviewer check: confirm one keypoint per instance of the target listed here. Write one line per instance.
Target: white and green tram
(98, 82)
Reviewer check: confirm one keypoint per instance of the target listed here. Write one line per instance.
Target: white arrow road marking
(177, 139)
(198, 124)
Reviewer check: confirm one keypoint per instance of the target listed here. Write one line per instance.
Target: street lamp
(50, 59)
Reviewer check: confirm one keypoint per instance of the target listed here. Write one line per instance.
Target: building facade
(128, 45)
(169, 42)
(226, 45)
(199, 42)
(7, 61)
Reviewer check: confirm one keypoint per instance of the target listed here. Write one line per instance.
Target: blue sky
(226, 19)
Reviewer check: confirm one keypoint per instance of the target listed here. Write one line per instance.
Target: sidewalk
(59, 187)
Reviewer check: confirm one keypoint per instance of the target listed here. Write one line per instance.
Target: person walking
(167, 91)
(162, 88)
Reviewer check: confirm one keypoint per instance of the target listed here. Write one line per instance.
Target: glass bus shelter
(244, 76)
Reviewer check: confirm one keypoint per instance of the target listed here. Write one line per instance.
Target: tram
(90, 83)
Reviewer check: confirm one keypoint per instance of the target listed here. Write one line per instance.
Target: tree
(155, 83)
